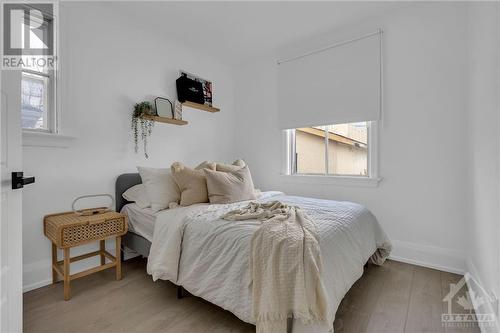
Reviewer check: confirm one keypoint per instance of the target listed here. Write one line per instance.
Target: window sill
(48, 140)
(333, 180)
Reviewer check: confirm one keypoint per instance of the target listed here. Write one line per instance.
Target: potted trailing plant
(142, 125)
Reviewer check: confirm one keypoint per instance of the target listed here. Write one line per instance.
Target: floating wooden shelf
(166, 120)
(193, 105)
(200, 106)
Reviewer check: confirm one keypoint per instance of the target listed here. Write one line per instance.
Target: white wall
(421, 202)
(109, 63)
(484, 150)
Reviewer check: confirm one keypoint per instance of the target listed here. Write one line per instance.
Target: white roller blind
(336, 85)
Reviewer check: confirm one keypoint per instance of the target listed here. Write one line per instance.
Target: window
(334, 150)
(38, 107)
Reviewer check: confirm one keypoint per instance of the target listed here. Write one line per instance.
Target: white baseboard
(474, 282)
(37, 275)
(36, 285)
(442, 259)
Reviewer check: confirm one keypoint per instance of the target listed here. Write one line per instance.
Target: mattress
(214, 264)
(140, 220)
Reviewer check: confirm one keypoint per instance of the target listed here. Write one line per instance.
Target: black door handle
(18, 181)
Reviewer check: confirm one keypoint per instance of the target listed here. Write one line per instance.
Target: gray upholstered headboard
(123, 183)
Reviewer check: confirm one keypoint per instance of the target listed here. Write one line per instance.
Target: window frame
(52, 94)
(289, 162)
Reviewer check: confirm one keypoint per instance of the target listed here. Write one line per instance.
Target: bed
(213, 259)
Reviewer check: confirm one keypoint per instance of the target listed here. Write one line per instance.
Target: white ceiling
(235, 32)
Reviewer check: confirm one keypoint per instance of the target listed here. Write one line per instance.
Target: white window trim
(371, 181)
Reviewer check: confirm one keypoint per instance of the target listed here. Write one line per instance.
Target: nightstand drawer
(69, 229)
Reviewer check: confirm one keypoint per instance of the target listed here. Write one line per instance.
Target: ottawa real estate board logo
(469, 305)
(28, 36)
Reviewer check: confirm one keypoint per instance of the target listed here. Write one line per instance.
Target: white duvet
(193, 247)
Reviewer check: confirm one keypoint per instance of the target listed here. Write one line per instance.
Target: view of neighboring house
(347, 149)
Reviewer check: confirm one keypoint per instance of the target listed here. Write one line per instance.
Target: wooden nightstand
(67, 230)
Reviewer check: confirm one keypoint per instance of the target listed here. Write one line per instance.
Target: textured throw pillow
(138, 195)
(160, 187)
(238, 164)
(227, 187)
(192, 183)
(206, 165)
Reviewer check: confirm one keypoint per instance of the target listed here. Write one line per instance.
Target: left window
(38, 86)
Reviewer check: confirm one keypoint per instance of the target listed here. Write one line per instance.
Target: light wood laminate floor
(396, 297)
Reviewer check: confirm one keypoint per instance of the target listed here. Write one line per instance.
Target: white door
(11, 277)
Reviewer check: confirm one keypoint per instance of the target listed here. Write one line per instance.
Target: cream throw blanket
(285, 267)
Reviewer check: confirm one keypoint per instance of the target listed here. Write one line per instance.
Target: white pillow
(160, 187)
(138, 195)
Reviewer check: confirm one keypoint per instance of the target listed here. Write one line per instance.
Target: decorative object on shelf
(206, 87)
(164, 107)
(189, 89)
(140, 116)
(207, 91)
(178, 110)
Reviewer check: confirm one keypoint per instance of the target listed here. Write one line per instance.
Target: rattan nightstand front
(67, 230)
